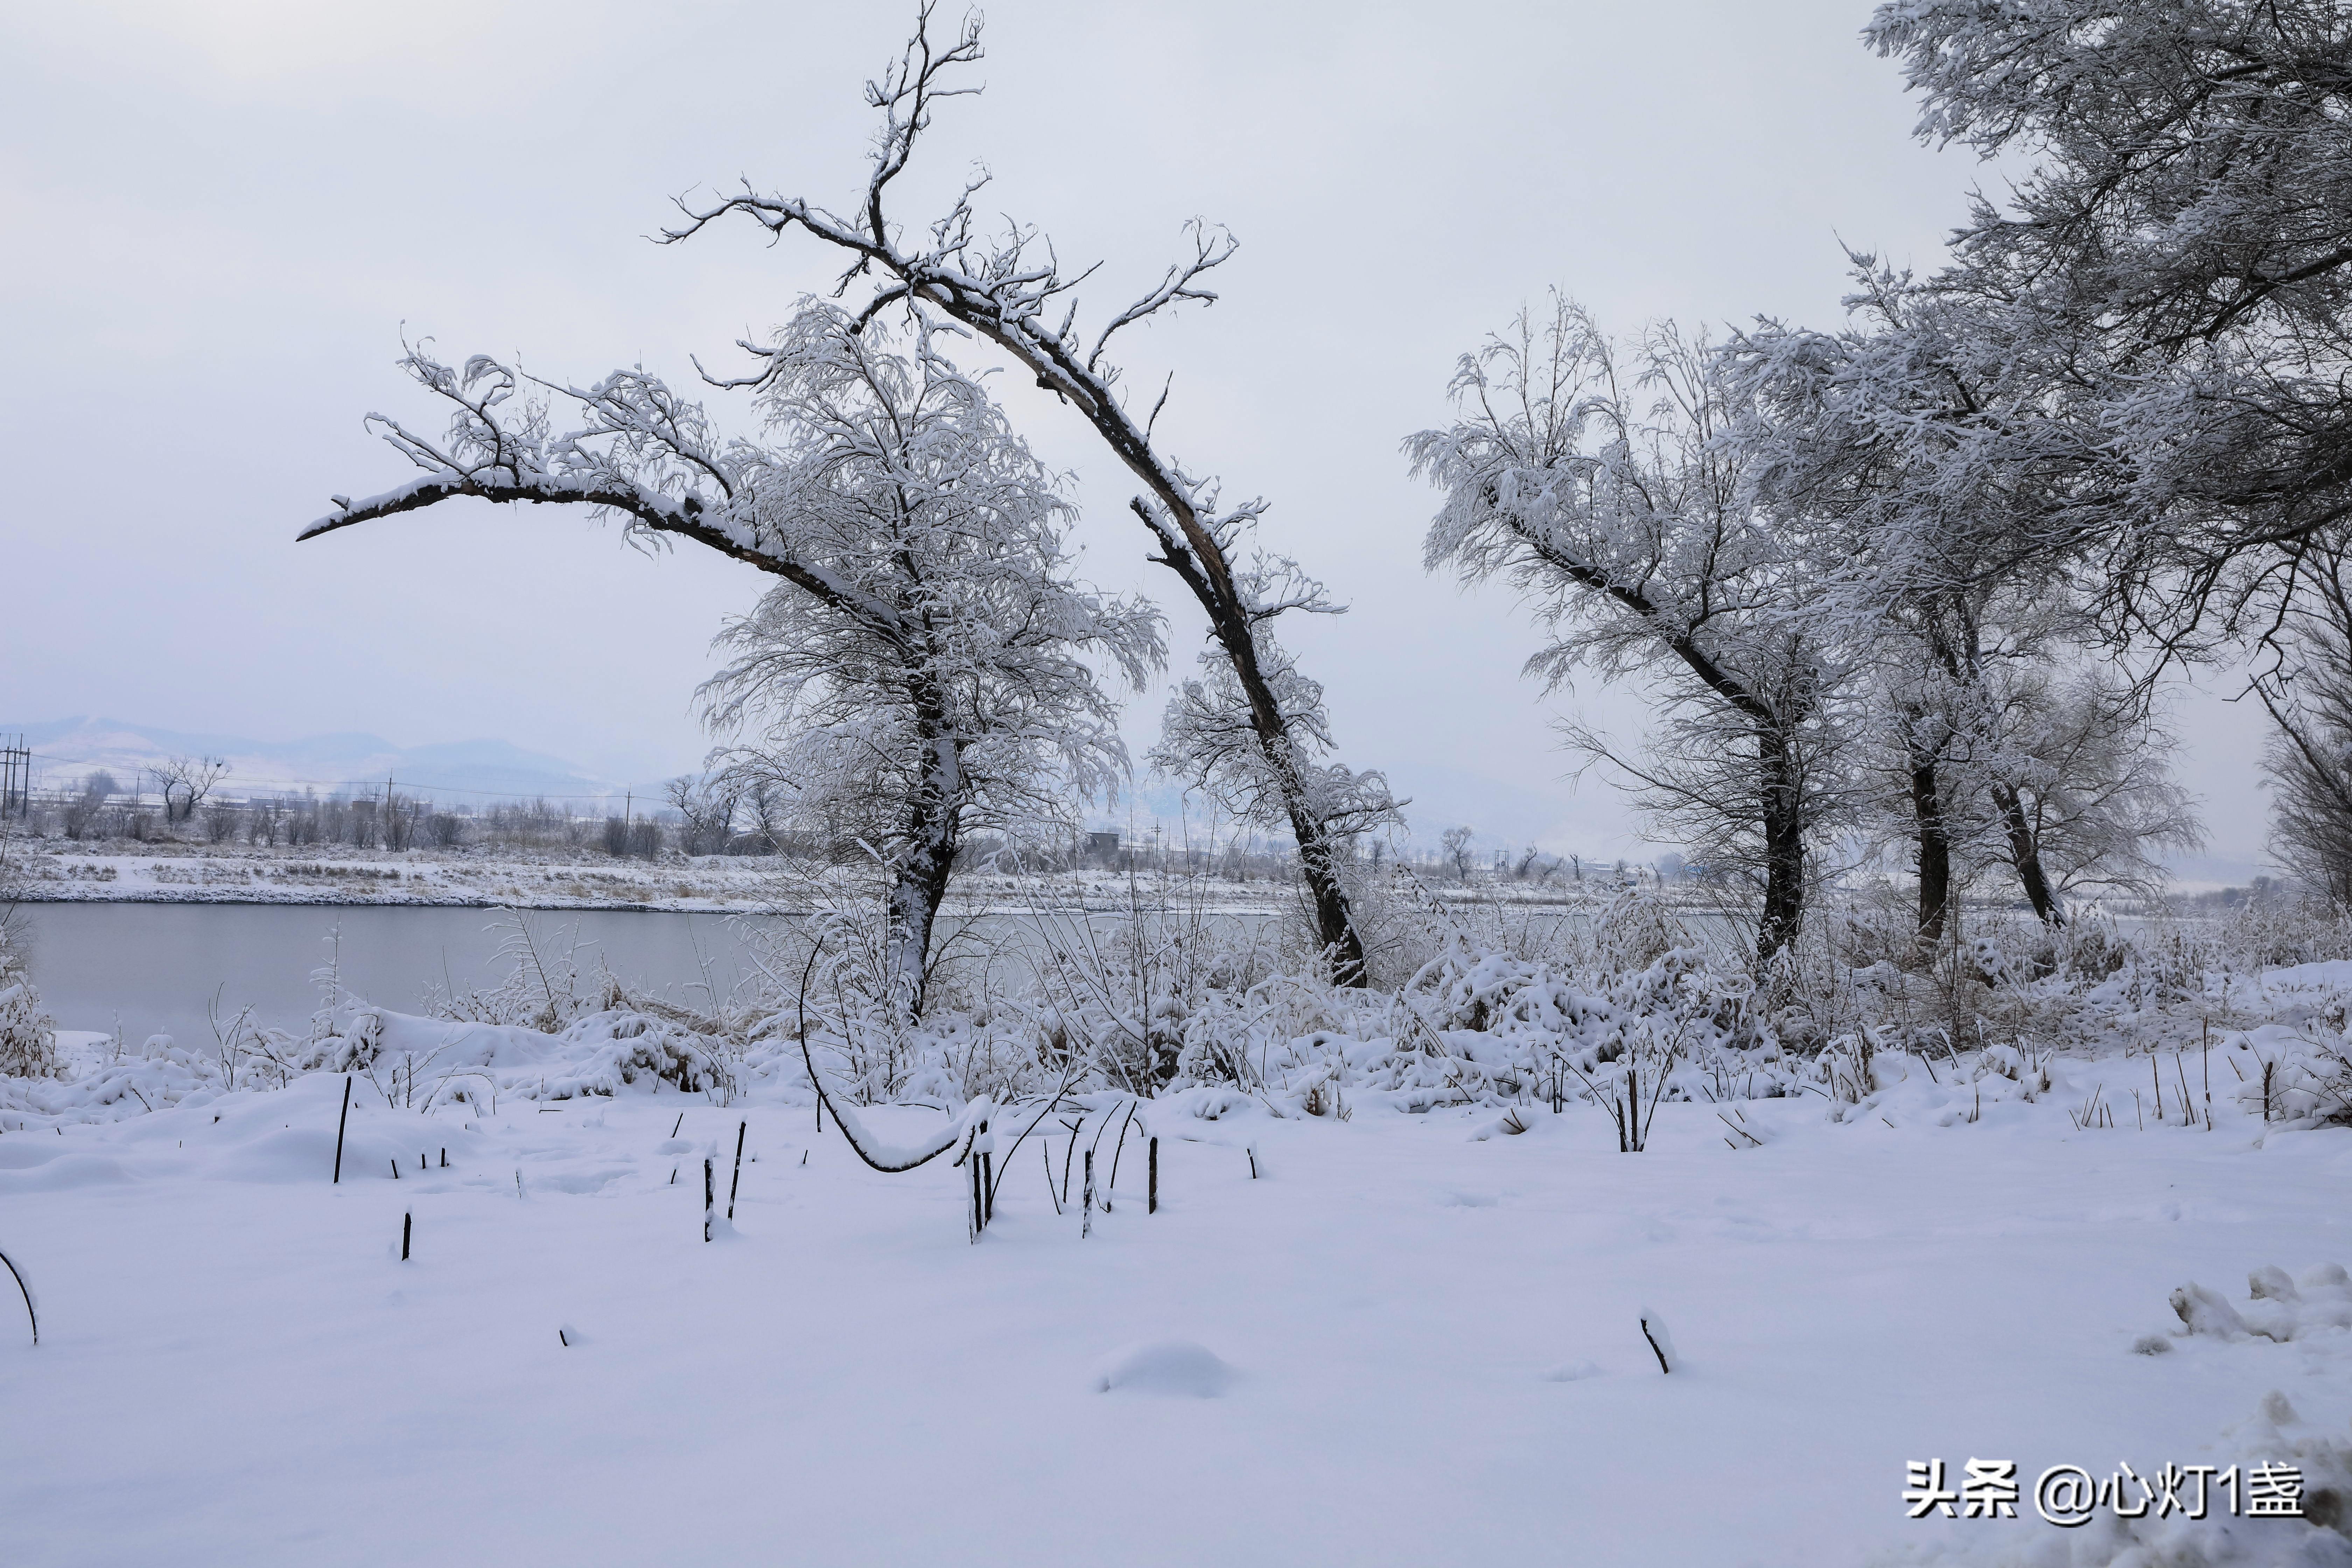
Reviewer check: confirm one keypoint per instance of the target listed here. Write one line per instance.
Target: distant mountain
(478, 771)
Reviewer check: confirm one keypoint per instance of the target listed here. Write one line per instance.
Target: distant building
(1102, 848)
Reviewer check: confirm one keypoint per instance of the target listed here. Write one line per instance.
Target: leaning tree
(1608, 494)
(1253, 728)
(926, 651)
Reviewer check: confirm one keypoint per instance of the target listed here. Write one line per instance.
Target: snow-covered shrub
(28, 1036)
(2293, 1075)
(29, 1045)
(2270, 933)
(544, 987)
(1154, 990)
(420, 1063)
(1475, 1027)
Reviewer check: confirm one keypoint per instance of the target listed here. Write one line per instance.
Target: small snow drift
(2279, 1308)
(1571, 1372)
(1510, 1125)
(1170, 1368)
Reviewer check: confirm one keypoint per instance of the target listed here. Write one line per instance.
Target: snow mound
(1571, 1372)
(2280, 1308)
(61, 1174)
(1170, 1368)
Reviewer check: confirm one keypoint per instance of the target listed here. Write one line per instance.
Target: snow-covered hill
(66, 749)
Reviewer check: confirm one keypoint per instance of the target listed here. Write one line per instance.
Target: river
(170, 968)
(174, 968)
(155, 968)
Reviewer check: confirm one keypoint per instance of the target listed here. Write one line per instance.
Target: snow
(1407, 1346)
(1172, 1367)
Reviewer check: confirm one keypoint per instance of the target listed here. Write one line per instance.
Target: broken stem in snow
(1117, 1149)
(1655, 1348)
(741, 1129)
(27, 1291)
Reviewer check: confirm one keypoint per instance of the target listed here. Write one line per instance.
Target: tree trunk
(1335, 925)
(2025, 854)
(918, 882)
(1320, 851)
(1934, 838)
(1957, 651)
(1784, 846)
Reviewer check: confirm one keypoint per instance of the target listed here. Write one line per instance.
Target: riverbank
(748, 884)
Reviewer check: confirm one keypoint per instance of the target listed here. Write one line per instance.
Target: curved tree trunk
(2025, 854)
(1318, 852)
(1955, 648)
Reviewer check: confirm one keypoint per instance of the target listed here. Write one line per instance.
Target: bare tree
(1010, 290)
(1456, 841)
(706, 807)
(185, 783)
(2085, 770)
(84, 811)
(402, 820)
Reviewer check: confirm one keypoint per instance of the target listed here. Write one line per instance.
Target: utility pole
(15, 779)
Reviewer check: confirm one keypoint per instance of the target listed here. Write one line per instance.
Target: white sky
(220, 215)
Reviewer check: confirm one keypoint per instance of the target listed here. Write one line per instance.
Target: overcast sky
(221, 214)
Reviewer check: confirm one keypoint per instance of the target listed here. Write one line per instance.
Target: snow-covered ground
(1404, 1343)
(184, 874)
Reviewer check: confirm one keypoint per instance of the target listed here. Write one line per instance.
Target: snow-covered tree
(2080, 785)
(2174, 270)
(1600, 484)
(925, 658)
(2309, 757)
(1011, 289)
(1889, 448)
